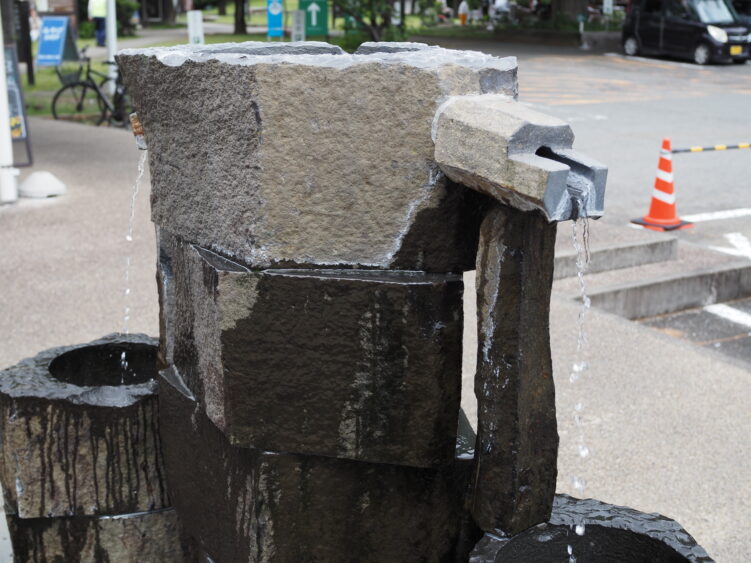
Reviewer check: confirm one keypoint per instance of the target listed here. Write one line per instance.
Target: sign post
(111, 30)
(298, 25)
(19, 131)
(8, 183)
(316, 17)
(195, 27)
(275, 13)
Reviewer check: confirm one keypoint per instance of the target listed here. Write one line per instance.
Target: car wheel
(631, 46)
(740, 61)
(702, 54)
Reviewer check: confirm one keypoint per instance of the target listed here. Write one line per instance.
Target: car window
(679, 9)
(712, 11)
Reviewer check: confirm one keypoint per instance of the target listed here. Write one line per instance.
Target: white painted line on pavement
(715, 215)
(740, 245)
(729, 314)
(656, 61)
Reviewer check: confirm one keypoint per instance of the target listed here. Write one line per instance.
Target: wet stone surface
(517, 439)
(612, 534)
(70, 447)
(255, 175)
(350, 364)
(242, 504)
(148, 537)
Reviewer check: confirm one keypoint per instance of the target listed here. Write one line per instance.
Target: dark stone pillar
(517, 440)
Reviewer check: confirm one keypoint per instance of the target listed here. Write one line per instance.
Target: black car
(702, 30)
(743, 9)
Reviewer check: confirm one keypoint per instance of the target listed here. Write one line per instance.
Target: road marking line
(740, 245)
(714, 215)
(656, 62)
(729, 314)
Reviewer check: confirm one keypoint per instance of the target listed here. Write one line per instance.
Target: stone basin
(611, 534)
(80, 433)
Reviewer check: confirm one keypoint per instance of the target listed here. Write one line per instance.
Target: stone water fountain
(315, 211)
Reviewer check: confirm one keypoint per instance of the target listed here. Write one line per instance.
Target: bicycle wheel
(78, 102)
(120, 117)
(121, 103)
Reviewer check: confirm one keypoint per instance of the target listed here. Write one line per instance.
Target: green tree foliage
(373, 16)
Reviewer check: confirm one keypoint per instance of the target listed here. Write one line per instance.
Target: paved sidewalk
(667, 423)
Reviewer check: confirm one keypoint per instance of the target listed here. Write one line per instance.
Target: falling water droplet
(570, 549)
(580, 528)
(579, 406)
(579, 484)
(583, 450)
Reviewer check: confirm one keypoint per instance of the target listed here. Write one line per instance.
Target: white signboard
(195, 27)
(298, 25)
(607, 7)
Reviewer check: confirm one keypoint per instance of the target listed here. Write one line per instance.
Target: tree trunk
(168, 9)
(240, 27)
(221, 6)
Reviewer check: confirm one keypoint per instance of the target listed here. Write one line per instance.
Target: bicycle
(85, 101)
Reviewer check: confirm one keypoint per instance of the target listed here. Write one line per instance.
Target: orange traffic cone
(662, 215)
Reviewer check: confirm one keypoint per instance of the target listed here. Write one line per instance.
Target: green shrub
(86, 30)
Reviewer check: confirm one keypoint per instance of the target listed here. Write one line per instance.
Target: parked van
(702, 30)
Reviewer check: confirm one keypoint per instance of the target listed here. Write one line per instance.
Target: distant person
(98, 14)
(463, 12)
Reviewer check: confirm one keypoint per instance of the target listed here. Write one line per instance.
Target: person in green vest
(98, 13)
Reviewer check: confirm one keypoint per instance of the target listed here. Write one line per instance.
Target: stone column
(517, 440)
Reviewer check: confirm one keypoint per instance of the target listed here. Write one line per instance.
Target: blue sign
(275, 14)
(56, 43)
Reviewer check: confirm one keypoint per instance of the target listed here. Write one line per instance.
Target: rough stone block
(80, 432)
(344, 363)
(243, 504)
(517, 155)
(146, 537)
(288, 160)
(517, 439)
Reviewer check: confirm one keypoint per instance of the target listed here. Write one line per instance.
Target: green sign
(316, 17)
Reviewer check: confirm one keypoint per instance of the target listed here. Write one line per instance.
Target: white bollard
(195, 27)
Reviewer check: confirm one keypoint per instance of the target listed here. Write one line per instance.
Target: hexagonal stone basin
(80, 431)
(116, 363)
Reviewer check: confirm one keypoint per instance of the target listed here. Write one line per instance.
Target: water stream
(580, 240)
(128, 256)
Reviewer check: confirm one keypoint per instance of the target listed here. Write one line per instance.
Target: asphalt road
(666, 420)
(621, 108)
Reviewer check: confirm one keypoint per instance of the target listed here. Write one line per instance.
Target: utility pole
(8, 183)
(111, 38)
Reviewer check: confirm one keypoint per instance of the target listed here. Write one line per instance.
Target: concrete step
(613, 247)
(697, 277)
